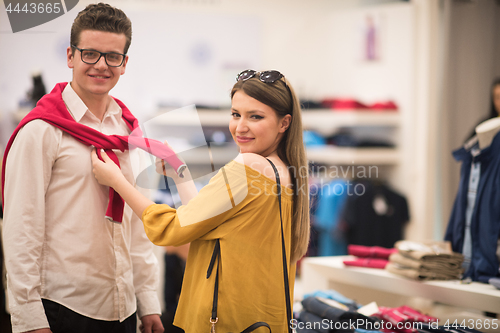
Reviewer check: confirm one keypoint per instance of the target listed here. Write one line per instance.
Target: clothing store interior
(400, 102)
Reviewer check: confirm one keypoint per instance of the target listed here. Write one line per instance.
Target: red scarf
(52, 109)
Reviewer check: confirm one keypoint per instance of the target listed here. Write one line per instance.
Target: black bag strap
(283, 248)
(214, 318)
(216, 256)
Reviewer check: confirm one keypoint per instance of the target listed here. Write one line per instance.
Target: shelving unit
(200, 155)
(323, 121)
(322, 273)
(207, 117)
(356, 156)
(326, 120)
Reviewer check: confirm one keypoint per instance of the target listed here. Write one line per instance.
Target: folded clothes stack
(326, 315)
(369, 256)
(403, 319)
(495, 282)
(370, 251)
(341, 104)
(326, 311)
(433, 260)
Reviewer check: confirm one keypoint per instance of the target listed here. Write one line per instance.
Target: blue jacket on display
(331, 241)
(485, 221)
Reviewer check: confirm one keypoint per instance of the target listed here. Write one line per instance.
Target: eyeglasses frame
(100, 55)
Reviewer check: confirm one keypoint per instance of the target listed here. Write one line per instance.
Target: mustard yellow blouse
(240, 207)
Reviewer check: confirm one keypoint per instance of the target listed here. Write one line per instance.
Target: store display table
(323, 272)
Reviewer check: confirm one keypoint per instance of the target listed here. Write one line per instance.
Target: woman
(239, 207)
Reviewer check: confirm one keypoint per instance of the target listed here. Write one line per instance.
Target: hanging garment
(331, 200)
(485, 217)
(314, 195)
(374, 215)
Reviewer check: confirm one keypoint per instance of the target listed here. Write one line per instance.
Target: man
(69, 268)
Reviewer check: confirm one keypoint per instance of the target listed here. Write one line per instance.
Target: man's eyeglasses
(266, 76)
(91, 57)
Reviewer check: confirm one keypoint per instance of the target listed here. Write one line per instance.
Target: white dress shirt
(58, 244)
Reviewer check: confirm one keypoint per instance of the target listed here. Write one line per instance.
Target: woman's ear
(285, 123)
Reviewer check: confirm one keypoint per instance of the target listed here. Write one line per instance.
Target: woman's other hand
(163, 168)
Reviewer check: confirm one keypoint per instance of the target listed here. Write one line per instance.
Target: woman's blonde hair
(281, 97)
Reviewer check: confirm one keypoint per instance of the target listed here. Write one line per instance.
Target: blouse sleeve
(215, 204)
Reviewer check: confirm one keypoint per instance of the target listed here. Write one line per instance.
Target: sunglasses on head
(265, 76)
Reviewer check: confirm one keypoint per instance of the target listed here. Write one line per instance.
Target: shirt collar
(78, 109)
(487, 153)
(492, 150)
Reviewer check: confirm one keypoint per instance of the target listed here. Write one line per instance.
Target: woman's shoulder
(256, 162)
(261, 164)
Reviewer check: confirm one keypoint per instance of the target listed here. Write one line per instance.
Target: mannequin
(486, 131)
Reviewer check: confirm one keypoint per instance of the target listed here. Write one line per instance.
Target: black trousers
(174, 273)
(63, 320)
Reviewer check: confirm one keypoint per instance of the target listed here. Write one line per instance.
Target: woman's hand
(185, 185)
(106, 172)
(163, 168)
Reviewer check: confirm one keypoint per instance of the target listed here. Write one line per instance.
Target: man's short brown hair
(101, 17)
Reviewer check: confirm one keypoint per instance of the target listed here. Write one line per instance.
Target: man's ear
(69, 57)
(124, 65)
(285, 123)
